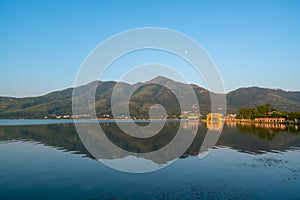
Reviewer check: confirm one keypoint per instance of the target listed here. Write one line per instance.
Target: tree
(245, 113)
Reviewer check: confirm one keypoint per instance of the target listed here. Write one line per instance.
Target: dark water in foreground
(48, 161)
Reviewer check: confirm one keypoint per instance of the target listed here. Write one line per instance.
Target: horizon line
(71, 87)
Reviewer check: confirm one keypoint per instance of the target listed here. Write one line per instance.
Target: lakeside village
(263, 114)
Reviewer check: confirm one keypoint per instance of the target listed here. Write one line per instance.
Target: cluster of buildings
(217, 117)
(211, 117)
(190, 115)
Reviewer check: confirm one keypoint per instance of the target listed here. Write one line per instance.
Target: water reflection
(242, 137)
(214, 125)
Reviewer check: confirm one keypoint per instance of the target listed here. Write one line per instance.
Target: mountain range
(59, 103)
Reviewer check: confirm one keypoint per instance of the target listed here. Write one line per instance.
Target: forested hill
(60, 102)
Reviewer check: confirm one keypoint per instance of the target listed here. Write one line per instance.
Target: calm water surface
(45, 159)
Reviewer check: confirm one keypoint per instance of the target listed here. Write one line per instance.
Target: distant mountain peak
(160, 79)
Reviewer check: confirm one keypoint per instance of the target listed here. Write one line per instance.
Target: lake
(45, 159)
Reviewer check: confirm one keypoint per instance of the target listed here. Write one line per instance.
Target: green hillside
(60, 102)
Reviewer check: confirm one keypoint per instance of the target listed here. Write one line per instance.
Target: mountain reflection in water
(254, 139)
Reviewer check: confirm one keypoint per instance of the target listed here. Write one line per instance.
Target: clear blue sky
(43, 43)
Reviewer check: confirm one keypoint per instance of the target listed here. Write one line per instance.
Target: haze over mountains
(60, 102)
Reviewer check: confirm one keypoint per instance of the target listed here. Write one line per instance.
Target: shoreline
(248, 121)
